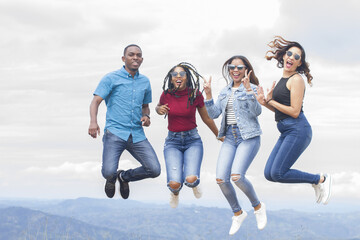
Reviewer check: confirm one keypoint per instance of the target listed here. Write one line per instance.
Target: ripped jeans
(183, 152)
(235, 157)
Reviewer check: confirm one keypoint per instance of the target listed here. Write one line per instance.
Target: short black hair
(131, 45)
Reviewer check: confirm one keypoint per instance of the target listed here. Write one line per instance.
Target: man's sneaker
(326, 189)
(174, 200)
(261, 218)
(318, 192)
(124, 186)
(110, 188)
(236, 222)
(197, 191)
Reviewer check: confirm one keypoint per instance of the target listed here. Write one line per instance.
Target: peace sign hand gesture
(246, 79)
(207, 88)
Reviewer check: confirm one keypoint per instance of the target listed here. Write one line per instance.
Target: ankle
(257, 207)
(238, 213)
(322, 179)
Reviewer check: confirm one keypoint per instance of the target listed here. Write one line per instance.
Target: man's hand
(145, 121)
(94, 130)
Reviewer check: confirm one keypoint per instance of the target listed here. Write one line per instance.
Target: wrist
(147, 115)
(269, 100)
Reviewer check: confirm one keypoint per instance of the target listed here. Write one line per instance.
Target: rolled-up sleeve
(213, 110)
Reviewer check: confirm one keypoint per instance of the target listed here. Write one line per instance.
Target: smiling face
(237, 74)
(291, 59)
(132, 59)
(178, 78)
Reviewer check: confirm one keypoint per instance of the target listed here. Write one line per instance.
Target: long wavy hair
(248, 66)
(192, 82)
(279, 46)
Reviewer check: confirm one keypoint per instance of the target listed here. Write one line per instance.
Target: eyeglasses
(296, 56)
(182, 74)
(239, 67)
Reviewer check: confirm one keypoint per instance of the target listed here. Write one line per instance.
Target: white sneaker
(326, 189)
(318, 192)
(261, 218)
(197, 191)
(174, 200)
(236, 222)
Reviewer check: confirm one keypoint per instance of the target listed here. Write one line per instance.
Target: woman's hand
(221, 139)
(269, 95)
(162, 109)
(207, 88)
(260, 97)
(246, 80)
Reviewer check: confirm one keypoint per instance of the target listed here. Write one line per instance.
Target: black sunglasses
(296, 56)
(182, 74)
(232, 67)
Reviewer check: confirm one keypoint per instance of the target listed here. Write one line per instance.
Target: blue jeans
(141, 151)
(235, 157)
(295, 136)
(183, 152)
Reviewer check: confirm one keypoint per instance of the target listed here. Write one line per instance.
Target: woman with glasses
(286, 100)
(183, 149)
(239, 108)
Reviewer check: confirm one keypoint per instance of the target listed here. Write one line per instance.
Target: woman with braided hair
(183, 149)
(286, 100)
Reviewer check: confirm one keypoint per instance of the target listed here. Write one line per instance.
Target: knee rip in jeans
(219, 181)
(235, 177)
(191, 178)
(174, 185)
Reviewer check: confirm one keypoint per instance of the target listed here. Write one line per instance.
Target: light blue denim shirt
(124, 97)
(246, 109)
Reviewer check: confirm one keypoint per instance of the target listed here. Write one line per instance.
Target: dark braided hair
(192, 84)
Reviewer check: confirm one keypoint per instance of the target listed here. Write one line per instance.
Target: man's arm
(145, 115)
(94, 128)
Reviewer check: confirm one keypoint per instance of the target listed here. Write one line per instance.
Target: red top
(181, 118)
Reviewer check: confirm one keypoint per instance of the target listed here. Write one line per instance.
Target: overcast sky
(54, 53)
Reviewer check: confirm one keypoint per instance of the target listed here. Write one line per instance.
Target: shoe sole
(325, 201)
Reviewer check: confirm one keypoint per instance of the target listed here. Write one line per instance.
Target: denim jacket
(246, 109)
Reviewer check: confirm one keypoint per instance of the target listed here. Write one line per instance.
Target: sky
(54, 53)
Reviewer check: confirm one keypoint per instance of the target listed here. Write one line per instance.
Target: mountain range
(86, 218)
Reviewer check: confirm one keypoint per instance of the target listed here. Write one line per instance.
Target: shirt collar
(241, 87)
(126, 73)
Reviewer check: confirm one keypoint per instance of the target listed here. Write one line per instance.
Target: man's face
(132, 59)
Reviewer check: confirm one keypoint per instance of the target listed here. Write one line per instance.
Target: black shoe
(110, 188)
(124, 186)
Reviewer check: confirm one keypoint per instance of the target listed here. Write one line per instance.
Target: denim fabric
(183, 152)
(246, 109)
(235, 157)
(295, 136)
(124, 97)
(141, 151)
